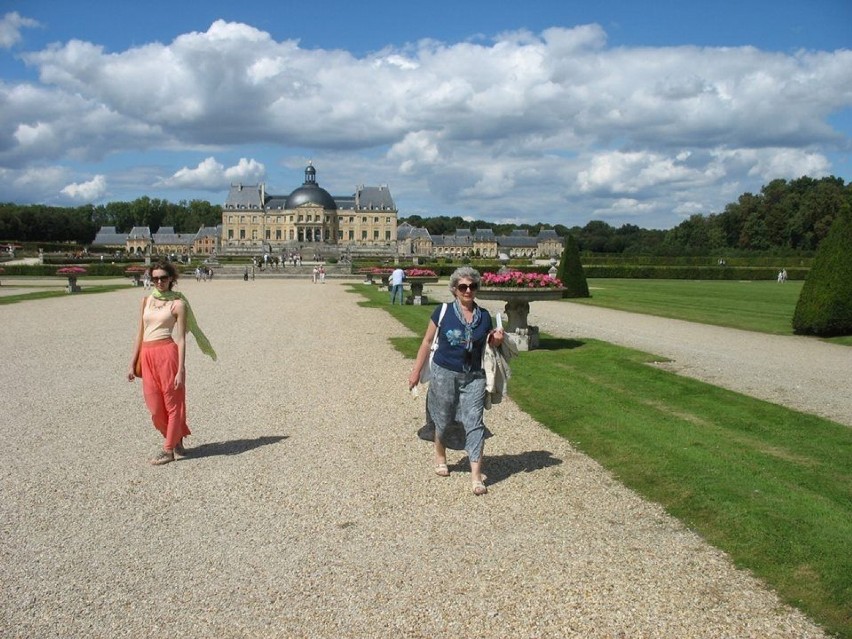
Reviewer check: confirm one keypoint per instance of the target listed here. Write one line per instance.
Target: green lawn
(55, 292)
(769, 486)
(755, 306)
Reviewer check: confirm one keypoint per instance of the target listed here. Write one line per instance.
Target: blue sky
(552, 111)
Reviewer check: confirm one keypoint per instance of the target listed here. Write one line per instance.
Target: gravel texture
(309, 507)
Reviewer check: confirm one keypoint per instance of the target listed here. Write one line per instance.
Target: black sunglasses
(163, 278)
(462, 288)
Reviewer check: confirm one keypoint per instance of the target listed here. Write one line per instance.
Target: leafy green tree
(825, 303)
(570, 270)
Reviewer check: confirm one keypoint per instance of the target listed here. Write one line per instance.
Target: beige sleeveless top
(158, 320)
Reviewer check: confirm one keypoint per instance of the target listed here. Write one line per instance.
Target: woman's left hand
(180, 379)
(496, 338)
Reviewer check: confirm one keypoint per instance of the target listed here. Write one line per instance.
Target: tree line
(80, 224)
(785, 217)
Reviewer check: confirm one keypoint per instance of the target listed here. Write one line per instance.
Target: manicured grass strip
(769, 486)
(766, 307)
(41, 295)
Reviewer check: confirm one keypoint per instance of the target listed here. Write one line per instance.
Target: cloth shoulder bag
(426, 371)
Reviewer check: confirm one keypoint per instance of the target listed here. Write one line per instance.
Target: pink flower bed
(518, 279)
(420, 272)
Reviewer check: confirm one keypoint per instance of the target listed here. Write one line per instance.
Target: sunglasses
(462, 288)
(158, 278)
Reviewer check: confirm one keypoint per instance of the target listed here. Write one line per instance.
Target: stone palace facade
(310, 220)
(254, 221)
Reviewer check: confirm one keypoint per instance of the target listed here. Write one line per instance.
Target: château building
(417, 242)
(309, 218)
(164, 242)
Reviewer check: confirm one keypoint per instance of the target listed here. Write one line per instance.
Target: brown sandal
(163, 457)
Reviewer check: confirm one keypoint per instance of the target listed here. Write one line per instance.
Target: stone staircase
(236, 271)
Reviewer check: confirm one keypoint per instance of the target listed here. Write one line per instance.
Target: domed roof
(310, 193)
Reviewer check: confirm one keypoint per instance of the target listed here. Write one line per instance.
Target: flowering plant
(377, 270)
(420, 272)
(518, 279)
(71, 270)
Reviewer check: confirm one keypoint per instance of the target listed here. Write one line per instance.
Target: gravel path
(309, 508)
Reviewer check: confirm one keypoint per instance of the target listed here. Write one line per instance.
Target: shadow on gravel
(233, 447)
(500, 467)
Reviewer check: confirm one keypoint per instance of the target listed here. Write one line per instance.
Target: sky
(553, 111)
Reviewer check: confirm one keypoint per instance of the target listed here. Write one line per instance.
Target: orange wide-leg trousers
(166, 403)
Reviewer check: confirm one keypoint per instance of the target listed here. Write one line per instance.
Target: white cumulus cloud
(10, 28)
(89, 191)
(555, 124)
(212, 175)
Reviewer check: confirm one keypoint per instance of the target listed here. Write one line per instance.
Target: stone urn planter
(417, 282)
(517, 309)
(372, 274)
(519, 290)
(71, 272)
(135, 274)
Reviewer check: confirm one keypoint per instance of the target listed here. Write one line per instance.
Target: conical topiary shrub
(825, 303)
(570, 270)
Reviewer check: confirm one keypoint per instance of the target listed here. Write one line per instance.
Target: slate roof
(548, 234)
(244, 197)
(374, 198)
(139, 232)
(107, 236)
(208, 231)
(167, 236)
(345, 202)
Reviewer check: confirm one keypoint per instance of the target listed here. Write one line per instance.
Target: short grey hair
(464, 272)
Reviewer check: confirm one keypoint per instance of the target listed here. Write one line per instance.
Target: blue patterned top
(459, 344)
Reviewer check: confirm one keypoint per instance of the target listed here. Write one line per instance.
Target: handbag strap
(438, 328)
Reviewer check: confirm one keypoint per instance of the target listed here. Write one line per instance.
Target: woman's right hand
(413, 379)
(131, 373)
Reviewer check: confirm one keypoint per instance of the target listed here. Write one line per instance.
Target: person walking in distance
(396, 280)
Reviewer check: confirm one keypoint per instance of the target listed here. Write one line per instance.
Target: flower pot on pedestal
(518, 308)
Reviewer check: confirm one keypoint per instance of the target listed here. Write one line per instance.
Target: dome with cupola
(310, 193)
